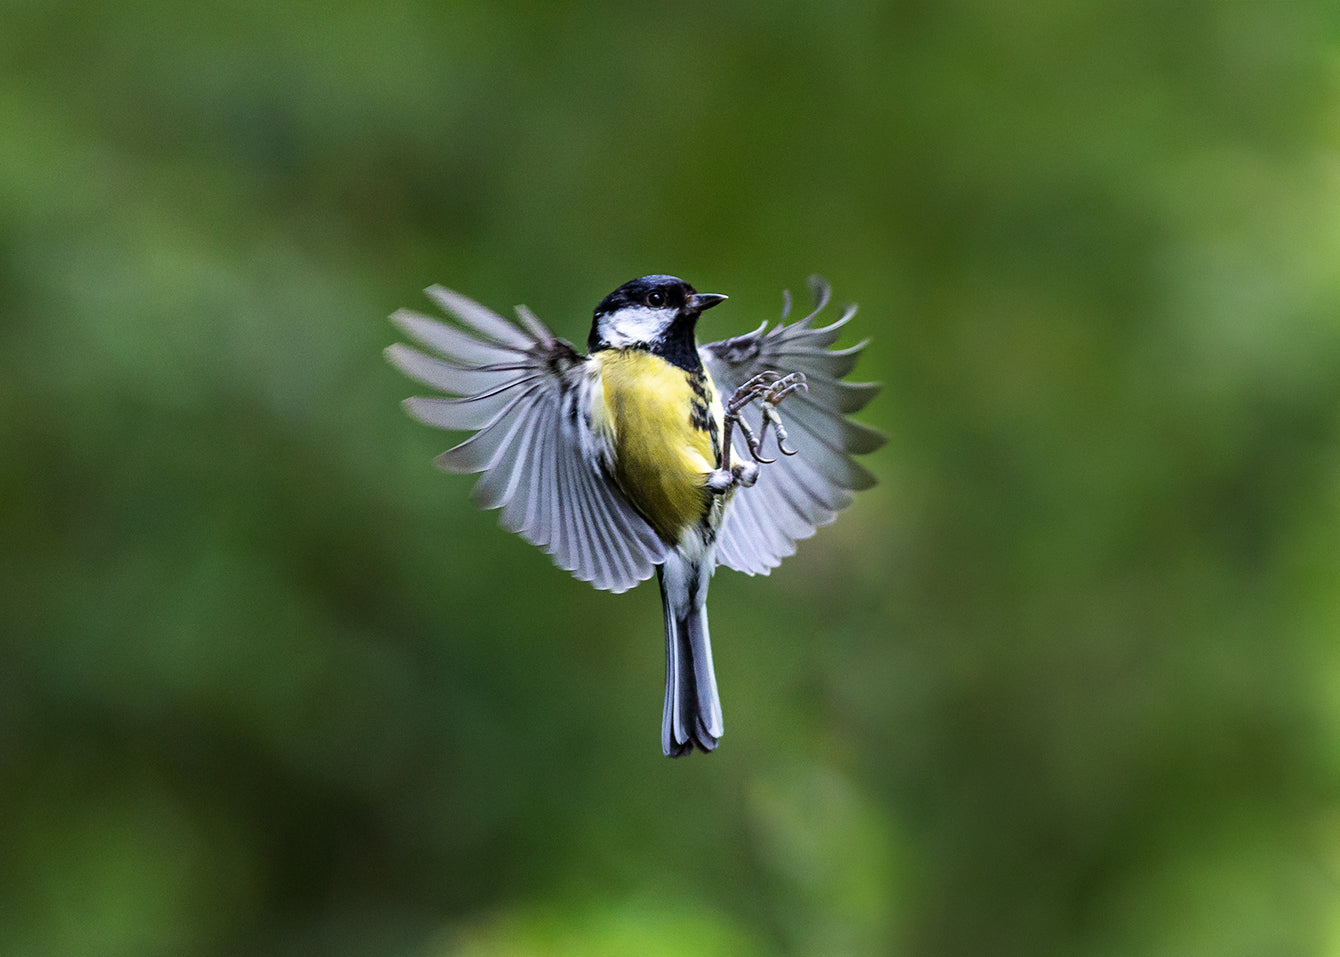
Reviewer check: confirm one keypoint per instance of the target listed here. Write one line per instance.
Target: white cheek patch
(633, 324)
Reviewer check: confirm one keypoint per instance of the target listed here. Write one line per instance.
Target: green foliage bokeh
(1066, 681)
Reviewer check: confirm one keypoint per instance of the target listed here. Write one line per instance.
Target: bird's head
(657, 313)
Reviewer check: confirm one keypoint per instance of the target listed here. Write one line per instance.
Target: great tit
(618, 463)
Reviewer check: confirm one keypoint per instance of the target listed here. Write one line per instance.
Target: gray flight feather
(524, 393)
(798, 493)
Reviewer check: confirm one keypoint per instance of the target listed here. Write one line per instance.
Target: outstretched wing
(797, 493)
(523, 392)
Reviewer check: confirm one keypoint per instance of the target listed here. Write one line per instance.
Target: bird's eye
(656, 299)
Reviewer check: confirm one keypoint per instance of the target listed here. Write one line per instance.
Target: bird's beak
(706, 300)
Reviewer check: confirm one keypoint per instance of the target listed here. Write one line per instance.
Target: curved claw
(770, 416)
(755, 442)
(771, 388)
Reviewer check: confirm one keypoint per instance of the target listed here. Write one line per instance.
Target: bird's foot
(770, 388)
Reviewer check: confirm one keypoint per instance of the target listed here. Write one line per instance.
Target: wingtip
(412, 406)
(820, 290)
(398, 355)
(404, 319)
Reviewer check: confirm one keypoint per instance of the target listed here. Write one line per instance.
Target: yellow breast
(664, 424)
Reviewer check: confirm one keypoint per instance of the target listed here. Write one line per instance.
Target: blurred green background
(1066, 681)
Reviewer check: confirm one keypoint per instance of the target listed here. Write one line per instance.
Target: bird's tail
(692, 716)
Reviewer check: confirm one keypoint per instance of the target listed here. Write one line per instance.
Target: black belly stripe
(700, 410)
(699, 416)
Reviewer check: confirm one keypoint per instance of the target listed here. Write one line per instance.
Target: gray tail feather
(692, 716)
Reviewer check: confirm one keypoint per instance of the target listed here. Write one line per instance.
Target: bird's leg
(771, 388)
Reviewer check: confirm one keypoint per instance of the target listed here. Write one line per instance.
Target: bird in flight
(637, 458)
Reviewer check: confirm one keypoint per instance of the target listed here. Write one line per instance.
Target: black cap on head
(654, 292)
